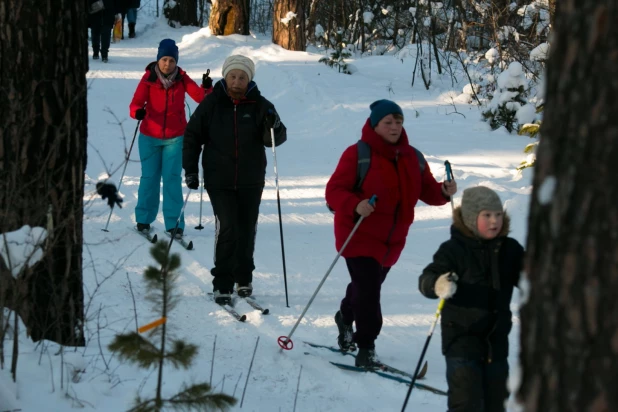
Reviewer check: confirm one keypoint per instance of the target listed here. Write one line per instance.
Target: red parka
(165, 109)
(395, 177)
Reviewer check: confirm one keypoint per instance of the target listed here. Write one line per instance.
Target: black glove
(271, 121)
(108, 191)
(140, 114)
(206, 81)
(192, 180)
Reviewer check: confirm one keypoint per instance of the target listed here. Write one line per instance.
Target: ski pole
(126, 162)
(200, 227)
(285, 342)
(285, 277)
(449, 177)
(420, 361)
(182, 211)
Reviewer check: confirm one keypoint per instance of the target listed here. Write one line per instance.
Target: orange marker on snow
(152, 325)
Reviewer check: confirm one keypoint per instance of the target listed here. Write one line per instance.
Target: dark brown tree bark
(229, 17)
(569, 335)
(183, 12)
(290, 33)
(43, 53)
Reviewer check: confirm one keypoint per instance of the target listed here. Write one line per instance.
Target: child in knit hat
(475, 272)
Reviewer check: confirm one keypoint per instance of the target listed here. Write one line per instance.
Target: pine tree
(133, 347)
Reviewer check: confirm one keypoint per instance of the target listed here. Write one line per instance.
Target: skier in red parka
(400, 177)
(159, 102)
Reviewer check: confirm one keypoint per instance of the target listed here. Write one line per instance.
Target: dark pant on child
(476, 386)
(236, 215)
(362, 299)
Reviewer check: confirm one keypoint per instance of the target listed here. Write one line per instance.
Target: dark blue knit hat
(167, 47)
(382, 108)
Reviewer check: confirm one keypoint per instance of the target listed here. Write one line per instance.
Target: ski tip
(265, 311)
(243, 318)
(190, 245)
(154, 239)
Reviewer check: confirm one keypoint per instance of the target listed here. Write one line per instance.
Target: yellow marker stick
(152, 325)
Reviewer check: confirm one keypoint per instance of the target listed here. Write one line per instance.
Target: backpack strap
(364, 161)
(421, 159)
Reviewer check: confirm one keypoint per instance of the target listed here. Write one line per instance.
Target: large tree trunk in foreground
(569, 324)
(43, 55)
(229, 17)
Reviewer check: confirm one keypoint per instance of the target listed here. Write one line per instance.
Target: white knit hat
(241, 63)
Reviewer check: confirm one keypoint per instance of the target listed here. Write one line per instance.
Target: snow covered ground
(324, 112)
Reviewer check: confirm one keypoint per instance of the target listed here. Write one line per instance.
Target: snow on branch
(23, 247)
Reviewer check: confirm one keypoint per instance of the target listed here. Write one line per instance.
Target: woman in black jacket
(233, 125)
(476, 271)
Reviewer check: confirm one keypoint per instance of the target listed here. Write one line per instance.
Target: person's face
(389, 128)
(167, 64)
(237, 83)
(489, 223)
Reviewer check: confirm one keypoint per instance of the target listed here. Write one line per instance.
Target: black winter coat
(133, 4)
(476, 320)
(105, 17)
(233, 135)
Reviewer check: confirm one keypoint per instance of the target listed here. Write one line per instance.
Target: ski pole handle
(449, 171)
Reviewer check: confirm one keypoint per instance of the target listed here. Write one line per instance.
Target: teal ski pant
(161, 158)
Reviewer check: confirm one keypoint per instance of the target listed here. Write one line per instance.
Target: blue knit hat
(382, 108)
(167, 47)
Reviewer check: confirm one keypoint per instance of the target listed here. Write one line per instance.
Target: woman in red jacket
(159, 102)
(400, 177)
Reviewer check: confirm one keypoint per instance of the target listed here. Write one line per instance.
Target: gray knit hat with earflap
(474, 200)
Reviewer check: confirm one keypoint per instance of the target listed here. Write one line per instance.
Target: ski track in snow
(324, 112)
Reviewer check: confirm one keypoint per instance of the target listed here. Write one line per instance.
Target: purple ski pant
(362, 299)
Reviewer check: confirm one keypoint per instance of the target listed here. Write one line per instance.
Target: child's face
(489, 223)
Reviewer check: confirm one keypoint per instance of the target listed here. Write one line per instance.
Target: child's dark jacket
(476, 320)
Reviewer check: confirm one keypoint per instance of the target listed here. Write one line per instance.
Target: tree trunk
(43, 155)
(288, 29)
(311, 20)
(181, 12)
(229, 17)
(569, 334)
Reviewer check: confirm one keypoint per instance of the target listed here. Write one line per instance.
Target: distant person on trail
(233, 126)
(159, 102)
(101, 19)
(130, 12)
(475, 272)
(399, 175)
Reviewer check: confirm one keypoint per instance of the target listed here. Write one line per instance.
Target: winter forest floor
(324, 112)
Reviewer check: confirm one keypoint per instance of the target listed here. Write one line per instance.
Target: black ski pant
(362, 299)
(475, 385)
(101, 32)
(236, 216)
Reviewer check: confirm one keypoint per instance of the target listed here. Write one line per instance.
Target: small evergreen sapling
(143, 352)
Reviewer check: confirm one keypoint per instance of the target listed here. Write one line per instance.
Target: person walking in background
(476, 271)
(400, 177)
(131, 14)
(101, 21)
(233, 125)
(159, 102)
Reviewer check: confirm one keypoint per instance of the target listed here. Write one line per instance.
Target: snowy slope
(324, 112)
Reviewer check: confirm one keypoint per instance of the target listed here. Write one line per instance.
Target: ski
(385, 367)
(229, 309)
(152, 238)
(391, 377)
(182, 241)
(252, 302)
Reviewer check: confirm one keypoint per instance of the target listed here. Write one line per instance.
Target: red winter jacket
(165, 109)
(395, 177)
